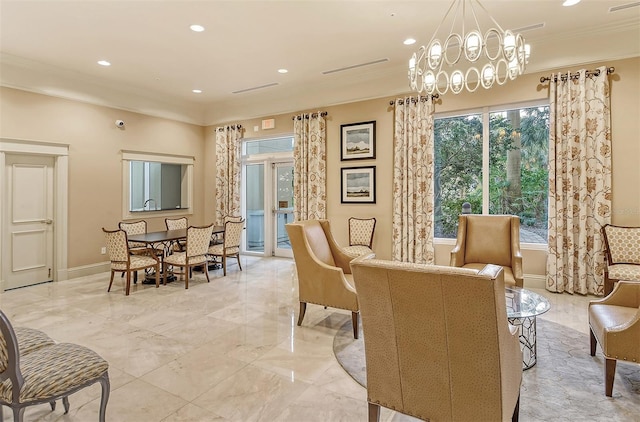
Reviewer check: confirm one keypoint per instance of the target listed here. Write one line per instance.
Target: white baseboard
(85, 270)
(535, 281)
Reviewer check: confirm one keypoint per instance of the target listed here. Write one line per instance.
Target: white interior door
(28, 200)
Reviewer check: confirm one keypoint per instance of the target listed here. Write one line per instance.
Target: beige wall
(625, 103)
(95, 162)
(95, 198)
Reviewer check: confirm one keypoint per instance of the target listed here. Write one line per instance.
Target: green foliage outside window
(518, 168)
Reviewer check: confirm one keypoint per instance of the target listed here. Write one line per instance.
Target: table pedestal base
(527, 334)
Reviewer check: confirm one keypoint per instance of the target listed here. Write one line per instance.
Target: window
(496, 160)
(154, 182)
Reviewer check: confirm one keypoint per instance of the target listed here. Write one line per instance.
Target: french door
(268, 206)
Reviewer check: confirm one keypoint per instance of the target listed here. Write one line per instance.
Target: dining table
(164, 240)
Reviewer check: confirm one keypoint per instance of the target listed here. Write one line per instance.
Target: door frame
(60, 155)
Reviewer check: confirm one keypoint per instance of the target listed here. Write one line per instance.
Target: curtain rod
(596, 72)
(413, 100)
(313, 115)
(232, 127)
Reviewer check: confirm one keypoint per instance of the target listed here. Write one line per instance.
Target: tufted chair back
(176, 223)
(489, 239)
(134, 227)
(117, 247)
(198, 243)
(438, 345)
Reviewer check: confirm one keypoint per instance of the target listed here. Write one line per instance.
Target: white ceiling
(52, 47)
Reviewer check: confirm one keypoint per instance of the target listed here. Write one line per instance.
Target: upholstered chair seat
(30, 340)
(489, 239)
(614, 323)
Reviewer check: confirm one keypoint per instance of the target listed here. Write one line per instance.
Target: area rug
(566, 384)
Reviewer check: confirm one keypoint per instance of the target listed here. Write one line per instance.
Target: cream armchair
(438, 345)
(489, 239)
(614, 322)
(324, 275)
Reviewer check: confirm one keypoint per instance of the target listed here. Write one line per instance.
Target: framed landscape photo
(358, 185)
(358, 141)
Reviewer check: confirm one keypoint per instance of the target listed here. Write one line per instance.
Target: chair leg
(186, 276)
(592, 342)
(65, 403)
(128, 283)
(239, 265)
(303, 309)
(135, 277)
(106, 389)
(157, 268)
(224, 265)
(205, 268)
(164, 273)
(609, 376)
(52, 404)
(354, 321)
(111, 280)
(18, 414)
(516, 411)
(374, 412)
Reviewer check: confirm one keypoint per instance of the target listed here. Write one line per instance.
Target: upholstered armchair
(614, 323)
(489, 239)
(324, 275)
(622, 254)
(438, 345)
(35, 370)
(360, 236)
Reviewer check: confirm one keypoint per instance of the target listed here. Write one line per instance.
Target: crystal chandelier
(467, 59)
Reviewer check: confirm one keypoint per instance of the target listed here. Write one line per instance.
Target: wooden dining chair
(195, 254)
(230, 246)
(123, 261)
(177, 224)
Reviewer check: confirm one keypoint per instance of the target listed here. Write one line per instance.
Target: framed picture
(358, 185)
(358, 141)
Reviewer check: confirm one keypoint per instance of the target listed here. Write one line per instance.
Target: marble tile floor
(228, 350)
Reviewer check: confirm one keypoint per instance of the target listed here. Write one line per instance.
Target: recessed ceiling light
(197, 28)
(409, 41)
(570, 2)
(196, 91)
(283, 71)
(104, 63)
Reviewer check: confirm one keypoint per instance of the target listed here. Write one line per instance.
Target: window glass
(458, 170)
(156, 186)
(268, 146)
(517, 168)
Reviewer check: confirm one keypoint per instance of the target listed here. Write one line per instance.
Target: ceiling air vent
(326, 72)
(254, 88)
(529, 27)
(624, 6)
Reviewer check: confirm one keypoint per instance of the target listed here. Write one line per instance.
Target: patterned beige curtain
(579, 181)
(228, 143)
(413, 168)
(309, 167)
